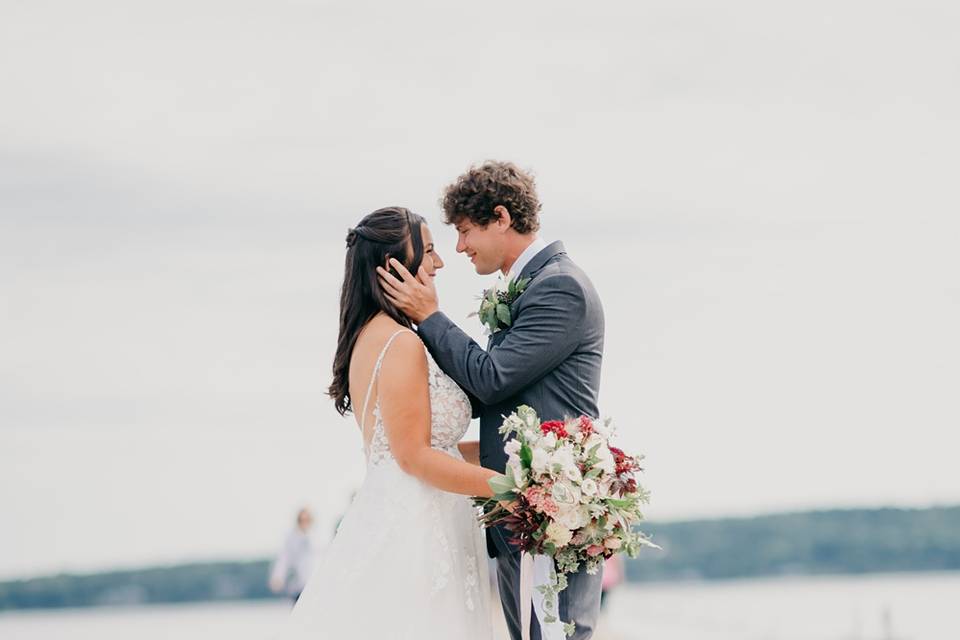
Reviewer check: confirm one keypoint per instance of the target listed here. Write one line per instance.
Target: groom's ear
(504, 219)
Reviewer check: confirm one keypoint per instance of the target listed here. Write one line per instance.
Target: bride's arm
(405, 408)
(470, 450)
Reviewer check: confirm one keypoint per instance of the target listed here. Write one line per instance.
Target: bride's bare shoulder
(377, 331)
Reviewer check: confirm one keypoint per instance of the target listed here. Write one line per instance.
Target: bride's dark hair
(385, 233)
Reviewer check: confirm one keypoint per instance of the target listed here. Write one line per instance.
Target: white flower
(558, 534)
(541, 460)
(530, 436)
(604, 428)
(564, 494)
(532, 420)
(563, 457)
(512, 447)
(589, 487)
(511, 424)
(606, 461)
(603, 487)
(549, 441)
(573, 517)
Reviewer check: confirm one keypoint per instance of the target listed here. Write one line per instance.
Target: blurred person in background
(292, 567)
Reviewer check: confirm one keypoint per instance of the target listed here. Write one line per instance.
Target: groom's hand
(416, 296)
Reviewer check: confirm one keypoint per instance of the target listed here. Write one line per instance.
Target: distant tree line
(815, 542)
(819, 542)
(181, 583)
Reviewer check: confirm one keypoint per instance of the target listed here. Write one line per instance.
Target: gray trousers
(579, 602)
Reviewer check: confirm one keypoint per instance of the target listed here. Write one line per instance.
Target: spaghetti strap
(373, 379)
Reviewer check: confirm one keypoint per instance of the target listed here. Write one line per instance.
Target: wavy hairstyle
(475, 194)
(386, 233)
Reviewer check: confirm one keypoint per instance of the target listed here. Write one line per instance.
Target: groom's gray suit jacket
(549, 358)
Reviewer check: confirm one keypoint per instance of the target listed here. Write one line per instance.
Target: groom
(548, 357)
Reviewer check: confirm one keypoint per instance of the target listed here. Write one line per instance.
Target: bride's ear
(390, 268)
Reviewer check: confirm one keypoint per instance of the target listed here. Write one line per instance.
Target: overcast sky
(765, 197)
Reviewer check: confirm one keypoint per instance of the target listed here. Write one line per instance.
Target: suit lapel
(530, 270)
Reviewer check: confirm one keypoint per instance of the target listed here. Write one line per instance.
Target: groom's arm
(546, 331)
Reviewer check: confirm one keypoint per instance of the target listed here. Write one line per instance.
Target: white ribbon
(526, 593)
(535, 572)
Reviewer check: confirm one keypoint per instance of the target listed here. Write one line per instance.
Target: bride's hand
(415, 296)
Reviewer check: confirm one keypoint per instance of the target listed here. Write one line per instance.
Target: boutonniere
(494, 311)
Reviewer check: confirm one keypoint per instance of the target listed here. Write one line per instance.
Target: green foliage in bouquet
(494, 311)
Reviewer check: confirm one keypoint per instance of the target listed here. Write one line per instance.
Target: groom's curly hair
(476, 193)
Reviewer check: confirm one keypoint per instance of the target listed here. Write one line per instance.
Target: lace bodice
(450, 411)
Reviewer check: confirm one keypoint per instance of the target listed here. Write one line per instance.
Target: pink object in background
(612, 572)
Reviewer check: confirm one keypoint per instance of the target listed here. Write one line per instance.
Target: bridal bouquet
(575, 498)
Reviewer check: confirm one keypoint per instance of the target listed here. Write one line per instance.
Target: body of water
(875, 607)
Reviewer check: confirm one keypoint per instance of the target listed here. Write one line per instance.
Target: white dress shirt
(538, 245)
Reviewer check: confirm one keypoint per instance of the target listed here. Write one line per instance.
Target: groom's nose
(461, 247)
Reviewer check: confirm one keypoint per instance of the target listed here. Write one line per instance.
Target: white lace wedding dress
(408, 561)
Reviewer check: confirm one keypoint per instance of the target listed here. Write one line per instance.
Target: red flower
(586, 426)
(625, 463)
(554, 426)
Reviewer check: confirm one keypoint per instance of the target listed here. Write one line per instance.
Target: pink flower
(594, 550)
(586, 426)
(540, 500)
(533, 495)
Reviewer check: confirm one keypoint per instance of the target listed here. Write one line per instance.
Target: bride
(408, 560)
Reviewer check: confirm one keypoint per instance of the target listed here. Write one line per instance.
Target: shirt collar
(538, 245)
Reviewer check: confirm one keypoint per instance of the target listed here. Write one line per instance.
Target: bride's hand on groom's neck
(415, 296)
